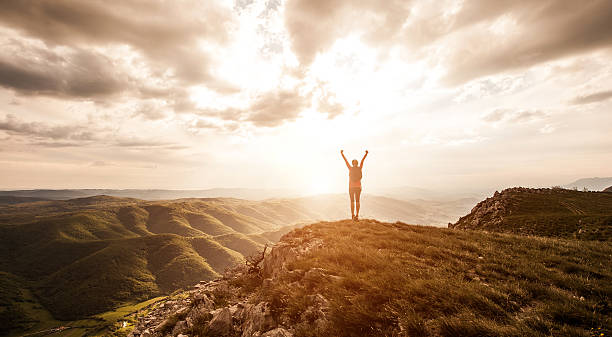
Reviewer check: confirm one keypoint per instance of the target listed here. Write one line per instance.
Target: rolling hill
(83, 256)
(545, 212)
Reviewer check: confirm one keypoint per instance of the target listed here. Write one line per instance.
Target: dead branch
(252, 262)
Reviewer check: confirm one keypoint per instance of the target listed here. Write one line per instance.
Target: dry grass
(398, 279)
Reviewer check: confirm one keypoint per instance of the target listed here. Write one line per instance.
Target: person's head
(354, 162)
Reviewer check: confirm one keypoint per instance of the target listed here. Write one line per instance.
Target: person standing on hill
(354, 183)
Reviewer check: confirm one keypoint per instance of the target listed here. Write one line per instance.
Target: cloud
(80, 74)
(273, 108)
(314, 25)
(166, 34)
(513, 116)
(137, 142)
(39, 130)
(73, 135)
(470, 39)
(593, 98)
(150, 111)
(101, 163)
(527, 33)
(327, 104)
(268, 109)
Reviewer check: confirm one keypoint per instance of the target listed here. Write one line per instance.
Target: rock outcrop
(223, 308)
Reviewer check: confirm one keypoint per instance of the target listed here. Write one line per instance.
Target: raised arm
(363, 159)
(345, 161)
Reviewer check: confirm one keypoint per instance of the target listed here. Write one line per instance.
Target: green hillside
(84, 256)
(546, 212)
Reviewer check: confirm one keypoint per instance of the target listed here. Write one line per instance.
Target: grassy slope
(548, 212)
(443, 282)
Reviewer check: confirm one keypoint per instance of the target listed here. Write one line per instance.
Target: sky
(265, 94)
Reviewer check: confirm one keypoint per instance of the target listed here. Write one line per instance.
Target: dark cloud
(166, 35)
(269, 109)
(274, 108)
(460, 40)
(53, 144)
(137, 142)
(81, 74)
(73, 135)
(38, 130)
(593, 98)
(547, 30)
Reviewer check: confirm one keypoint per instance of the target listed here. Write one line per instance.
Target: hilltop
(552, 212)
(609, 189)
(370, 278)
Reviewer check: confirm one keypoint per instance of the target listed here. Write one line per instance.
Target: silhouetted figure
(354, 183)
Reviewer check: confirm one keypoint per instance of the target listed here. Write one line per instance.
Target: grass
(440, 282)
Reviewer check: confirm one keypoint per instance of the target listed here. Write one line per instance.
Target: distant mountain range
(154, 194)
(591, 184)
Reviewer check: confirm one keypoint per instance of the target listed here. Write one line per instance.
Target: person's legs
(357, 196)
(352, 195)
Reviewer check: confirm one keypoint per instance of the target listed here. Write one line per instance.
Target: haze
(264, 94)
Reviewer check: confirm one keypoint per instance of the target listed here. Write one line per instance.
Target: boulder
(286, 252)
(257, 318)
(221, 323)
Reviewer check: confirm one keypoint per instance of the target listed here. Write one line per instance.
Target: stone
(180, 327)
(257, 318)
(267, 283)
(221, 323)
(278, 332)
(236, 309)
